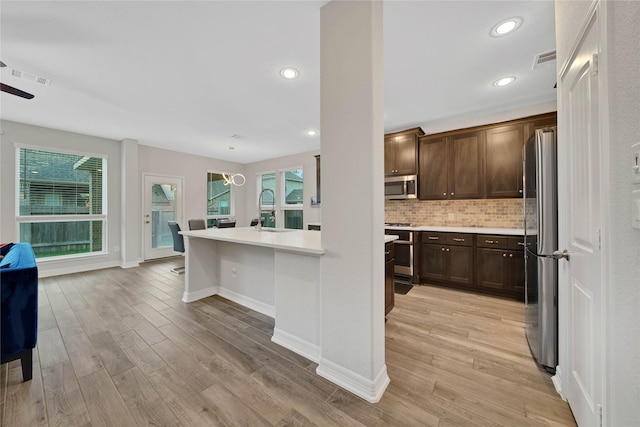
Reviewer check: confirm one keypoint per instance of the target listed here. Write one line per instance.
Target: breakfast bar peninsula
(273, 271)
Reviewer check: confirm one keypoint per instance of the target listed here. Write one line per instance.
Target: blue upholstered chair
(178, 243)
(19, 296)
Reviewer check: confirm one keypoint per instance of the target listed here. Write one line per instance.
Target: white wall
(193, 169)
(308, 163)
(462, 122)
(55, 139)
(623, 49)
(621, 59)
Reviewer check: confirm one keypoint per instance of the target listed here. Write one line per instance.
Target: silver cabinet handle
(455, 239)
(444, 194)
(491, 242)
(387, 252)
(521, 243)
(452, 194)
(510, 255)
(447, 250)
(443, 249)
(504, 255)
(433, 238)
(561, 254)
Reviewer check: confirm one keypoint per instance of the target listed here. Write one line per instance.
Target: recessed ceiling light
(505, 27)
(504, 81)
(289, 73)
(311, 132)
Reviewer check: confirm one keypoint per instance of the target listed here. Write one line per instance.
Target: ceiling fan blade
(14, 91)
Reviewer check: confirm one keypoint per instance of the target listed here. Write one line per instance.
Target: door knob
(561, 254)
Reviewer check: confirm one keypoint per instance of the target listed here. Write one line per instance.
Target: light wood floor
(118, 348)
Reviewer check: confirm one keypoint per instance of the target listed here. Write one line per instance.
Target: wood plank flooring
(118, 348)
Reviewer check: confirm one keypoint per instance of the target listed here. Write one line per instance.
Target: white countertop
(475, 230)
(300, 241)
(390, 238)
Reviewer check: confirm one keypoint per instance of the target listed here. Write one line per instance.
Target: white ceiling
(187, 75)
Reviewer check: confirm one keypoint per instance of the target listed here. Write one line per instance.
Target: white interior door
(162, 203)
(581, 277)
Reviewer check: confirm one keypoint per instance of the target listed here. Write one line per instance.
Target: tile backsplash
(498, 213)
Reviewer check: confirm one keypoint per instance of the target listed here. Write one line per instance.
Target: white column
(352, 132)
(130, 204)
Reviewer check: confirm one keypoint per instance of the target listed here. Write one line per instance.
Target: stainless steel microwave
(401, 187)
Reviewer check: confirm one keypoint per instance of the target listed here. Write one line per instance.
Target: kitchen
(326, 218)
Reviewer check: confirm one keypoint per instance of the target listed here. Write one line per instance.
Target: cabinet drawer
(514, 243)
(459, 239)
(434, 237)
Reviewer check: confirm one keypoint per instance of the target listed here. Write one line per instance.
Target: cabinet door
(503, 154)
(465, 166)
(460, 264)
(389, 291)
(492, 268)
(389, 156)
(433, 169)
(432, 262)
(516, 273)
(406, 154)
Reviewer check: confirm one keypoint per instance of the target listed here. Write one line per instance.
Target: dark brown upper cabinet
(483, 162)
(433, 169)
(401, 152)
(465, 165)
(450, 167)
(503, 157)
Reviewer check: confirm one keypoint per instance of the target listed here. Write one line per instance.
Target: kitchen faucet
(273, 207)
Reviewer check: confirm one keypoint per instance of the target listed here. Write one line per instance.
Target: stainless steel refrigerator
(541, 241)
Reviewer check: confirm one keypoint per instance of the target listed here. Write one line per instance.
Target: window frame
(288, 207)
(41, 219)
(232, 202)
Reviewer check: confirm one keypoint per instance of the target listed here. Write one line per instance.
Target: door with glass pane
(162, 203)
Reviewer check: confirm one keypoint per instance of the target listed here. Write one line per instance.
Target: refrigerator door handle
(561, 254)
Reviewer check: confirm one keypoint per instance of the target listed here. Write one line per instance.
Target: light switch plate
(635, 209)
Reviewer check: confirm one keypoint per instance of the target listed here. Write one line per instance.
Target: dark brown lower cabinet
(389, 294)
(501, 270)
(447, 257)
(483, 263)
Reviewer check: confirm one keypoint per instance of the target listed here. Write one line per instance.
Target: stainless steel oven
(403, 248)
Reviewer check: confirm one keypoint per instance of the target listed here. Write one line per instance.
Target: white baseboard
(130, 264)
(369, 390)
(50, 270)
(557, 382)
(259, 306)
(297, 345)
(202, 293)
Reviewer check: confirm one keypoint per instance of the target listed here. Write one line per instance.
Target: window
(267, 181)
(61, 209)
(286, 195)
(219, 196)
(293, 197)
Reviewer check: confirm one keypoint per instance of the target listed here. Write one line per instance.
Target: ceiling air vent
(31, 77)
(543, 59)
